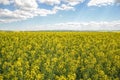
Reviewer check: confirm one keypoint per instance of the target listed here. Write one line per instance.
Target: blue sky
(59, 14)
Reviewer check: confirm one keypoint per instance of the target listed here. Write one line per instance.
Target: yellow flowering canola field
(59, 55)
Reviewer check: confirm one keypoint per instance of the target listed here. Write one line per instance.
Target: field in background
(59, 55)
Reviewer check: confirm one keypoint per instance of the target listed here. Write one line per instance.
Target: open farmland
(59, 55)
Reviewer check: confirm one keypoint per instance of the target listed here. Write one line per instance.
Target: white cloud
(66, 7)
(103, 2)
(9, 16)
(43, 12)
(100, 2)
(25, 9)
(5, 2)
(114, 25)
(26, 4)
(50, 2)
(78, 26)
(73, 2)
(17, 15)
(56, 2)
(63, 7)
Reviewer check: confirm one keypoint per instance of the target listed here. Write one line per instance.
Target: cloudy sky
(59, 14)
